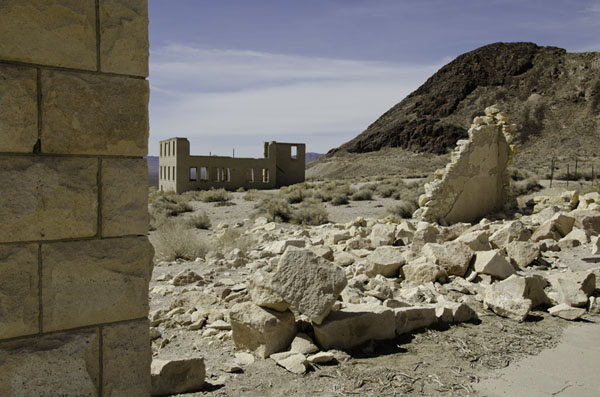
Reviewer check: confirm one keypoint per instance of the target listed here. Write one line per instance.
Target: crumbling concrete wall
(284, 164)
(75, 260)
(475, 182)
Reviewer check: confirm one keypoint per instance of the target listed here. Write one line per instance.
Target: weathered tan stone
(124, 202)
(19, 297)
(94, 114)
(49, 32)
(385, 261)
(354, 325)
(547, 230)
(18, 108)
(421, 271)
(492, 263)
(308, 282)
(261, 292)
(522, 253)
(566, 312)
(563, 223)
(177, 376)
(587, 220)
(411, 318)
(262, 331)
(512, 231)
(453, 256)
(49, 198)
(124, 36)
(112, 275)
(64, 364)
(126, 358)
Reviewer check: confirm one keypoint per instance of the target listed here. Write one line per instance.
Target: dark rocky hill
(552, 95)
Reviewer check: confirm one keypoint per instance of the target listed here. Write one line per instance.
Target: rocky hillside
(552, 95)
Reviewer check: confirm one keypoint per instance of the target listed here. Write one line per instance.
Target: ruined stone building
(283, 164)
(75, 260)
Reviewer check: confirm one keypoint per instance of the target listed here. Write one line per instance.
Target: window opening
(265, 175)
(294, 152)
(203, 174)
(193, 171)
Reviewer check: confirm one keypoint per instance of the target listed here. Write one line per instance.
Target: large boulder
(260, 330)
(382, 234)
(261, 293)
(529, 287)
(506, 305)
(308, 282)
(492, 263)
(453, 256)
(177, 376)
(385, 261)
(563, 223)
(355, 324)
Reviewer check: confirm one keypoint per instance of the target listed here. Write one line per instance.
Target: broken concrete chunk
(262, 331)
(408, 319)
(453, 312)
(261, 293)
(529, 287)
(506, 305)
(566, 312)
(354, 325)
(546, 231)
(303, 344)
(421, 271)
(453, 256)
(385, 261)
(492, 263)
(574, 288)
(509, 232)
(563, 223)
(309, 283)
(292, 361)
(177, 376)
(522, 253)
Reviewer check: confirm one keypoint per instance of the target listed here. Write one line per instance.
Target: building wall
(74, 256)
(275, 170)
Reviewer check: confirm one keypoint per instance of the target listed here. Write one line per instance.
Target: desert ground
(191, 298)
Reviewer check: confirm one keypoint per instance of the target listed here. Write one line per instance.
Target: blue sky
(230, 74)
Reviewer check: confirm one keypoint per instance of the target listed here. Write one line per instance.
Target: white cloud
(198, 92)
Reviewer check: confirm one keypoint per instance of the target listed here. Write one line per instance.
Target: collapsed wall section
(475, 181)
(74, 256)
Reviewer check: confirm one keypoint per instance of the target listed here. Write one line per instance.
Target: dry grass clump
(198, 220)
(339, 199)
(275, 209)
(174, 240)
(208, 196)
(254, 195)
(362, 194)
(296, 193)
(164, 206)
(311, 212)
(233, 238)
(403, 209)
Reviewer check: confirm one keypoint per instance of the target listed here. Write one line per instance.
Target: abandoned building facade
(283, 164)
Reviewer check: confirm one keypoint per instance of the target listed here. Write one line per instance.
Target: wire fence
(574, 170)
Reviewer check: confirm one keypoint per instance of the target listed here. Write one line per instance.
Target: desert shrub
(403, 209)
(241, 189)
(526, 186)
(215, 195)
(156, 218)
(339, 199)
(518, 174)
(275, 209)
(323, 195)
(295, 195)
(199, 220)
(224, 204)
(175, 241)
(171, 204)
(362, 194)
(154, 194)
(311, 212)
(253, 195)
(233, 238)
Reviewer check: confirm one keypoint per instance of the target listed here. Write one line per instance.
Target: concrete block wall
(74, 256)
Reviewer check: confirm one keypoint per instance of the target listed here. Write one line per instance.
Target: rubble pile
(303, 293)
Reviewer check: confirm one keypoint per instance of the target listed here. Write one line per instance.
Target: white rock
(573, 288)
(506, 305)
(243, 359)
(529, 287)
(382, 234)
(280, 246)
(492, 263)
(425, 233)
(453, 256)
(421, 271)
(522, 253)
(455, 312)
(344, 259)
(511, 231)
(321, 358)
(293, 362)
(262, 331)
(309, 283)
(177, 376)
(303, 344)
(354, 325)
(587, 220)
(595, 245)
(261, 292)
(563, 223)
(385, 261)
(578, 235)
(408, 319)
(566, 312)
(477, 240)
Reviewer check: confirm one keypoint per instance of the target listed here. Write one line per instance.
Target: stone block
(49, 32)
(49, 198)
(453, 256)
(261, 293)
(18, 109)
(19, 297)
(97, 281)
(411, 318)
(355, 324)
(94, 114)
(421, 271)
(126, 357)
(384, 260)
(124, 198)
(492, 263)
(522, 253)
(62, 364)
(566, 312)
(308, 282)
(177, 376)
(124, 37)
(262, 331)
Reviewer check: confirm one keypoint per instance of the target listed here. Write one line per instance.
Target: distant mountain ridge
(552, 95)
